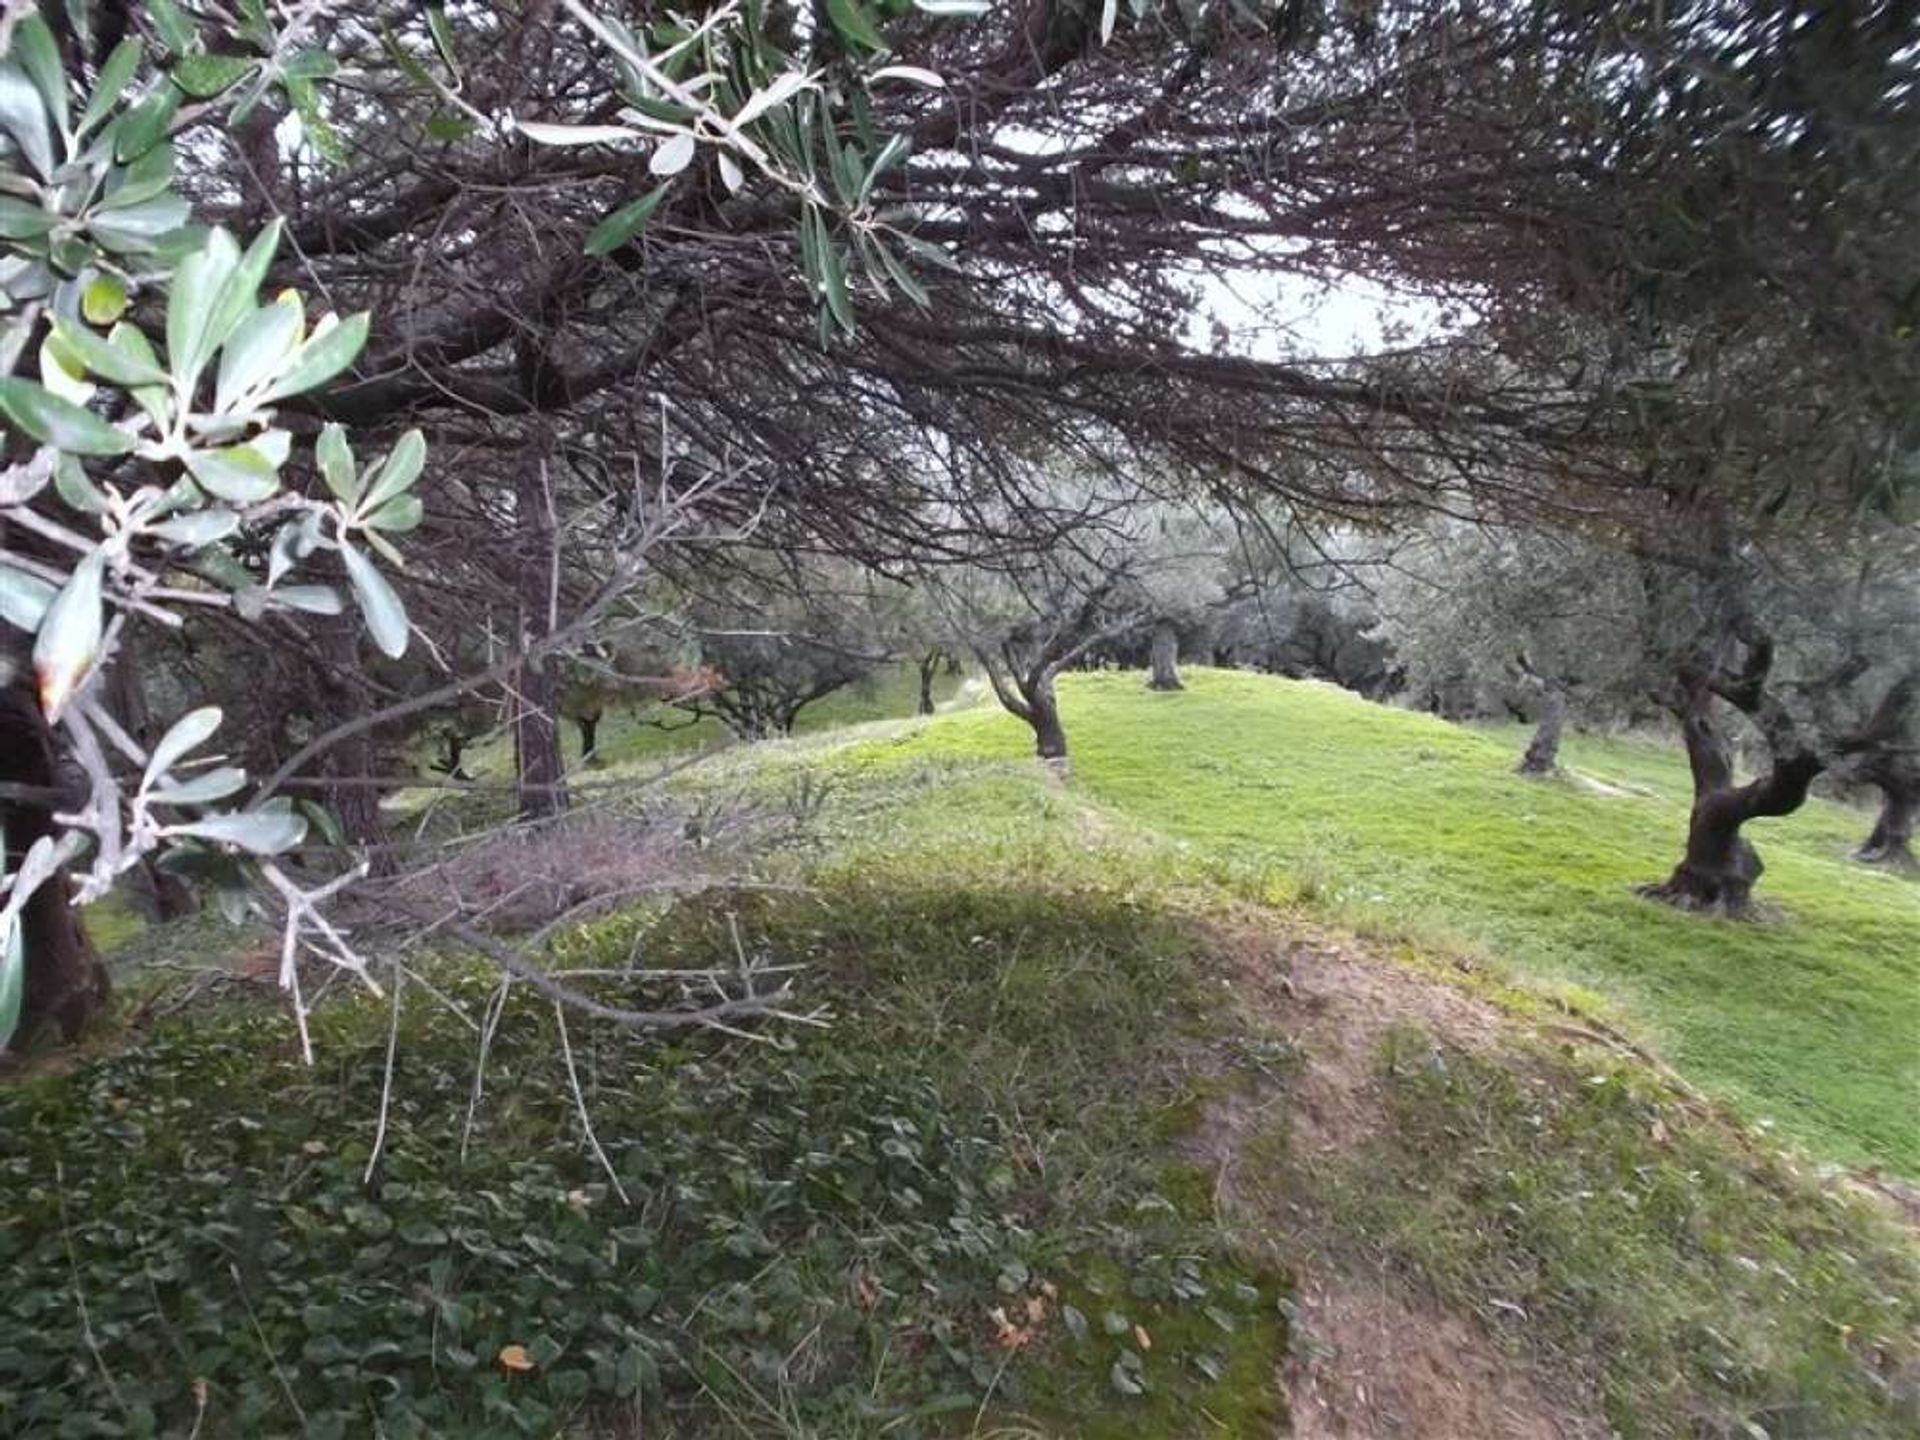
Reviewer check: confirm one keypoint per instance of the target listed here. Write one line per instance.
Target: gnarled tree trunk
(1049, 735)
(1029, 696)
(1543, 751)
(1164, 657)
(453, 749)
(1891, 843)
(352, 765)
(929, 663)
(1720, 866)
(66, 985)
(539, 769)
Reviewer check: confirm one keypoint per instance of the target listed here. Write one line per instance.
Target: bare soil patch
(1368, 1359)
(1370, 1363)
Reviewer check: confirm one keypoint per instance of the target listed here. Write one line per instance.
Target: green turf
(1807, 1018)
(655, 732)
(831, 1237)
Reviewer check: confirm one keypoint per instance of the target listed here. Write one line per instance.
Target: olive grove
(507, 323)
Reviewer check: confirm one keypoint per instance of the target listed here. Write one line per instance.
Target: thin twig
(580, 1102)
(386, 1083)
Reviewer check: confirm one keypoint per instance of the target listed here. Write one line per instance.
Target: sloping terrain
(1137, 1117)
(1405, 825)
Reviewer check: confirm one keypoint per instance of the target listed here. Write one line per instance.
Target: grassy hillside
(1808, 1018)
(1116, 1134)
(653, 732)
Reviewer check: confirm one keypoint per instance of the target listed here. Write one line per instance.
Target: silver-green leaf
(386, 616)
(337, 467)
(330, 350)
(59, 423)
(398, 472)
(24, 598)
(262, 832)
(69, 638)
(185, 735)
(239, 474)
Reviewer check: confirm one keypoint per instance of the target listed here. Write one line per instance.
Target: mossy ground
(947, 1213)
(875, 1229)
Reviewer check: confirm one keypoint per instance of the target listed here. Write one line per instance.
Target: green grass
(632, 736)
(1808, 1018)
(1678, 1285)
(832, 1238)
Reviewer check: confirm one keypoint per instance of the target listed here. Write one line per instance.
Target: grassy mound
(878, 1229)
(991, 1198)
(1407, 824)
(1679, 1283)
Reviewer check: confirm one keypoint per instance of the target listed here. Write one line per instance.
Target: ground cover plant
(947, 1214)
(868, 1231)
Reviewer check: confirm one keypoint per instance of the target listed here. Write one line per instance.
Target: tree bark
(1543, 751)
(355, 760)
(539, 769)
(1029, 697)
(928, 664)
(1891, 843)
(453, 751)
(1049, 735)
(1719, 867)
(1165, 657)
(66, 984)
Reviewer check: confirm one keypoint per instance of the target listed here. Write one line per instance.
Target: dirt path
(1369, 1359)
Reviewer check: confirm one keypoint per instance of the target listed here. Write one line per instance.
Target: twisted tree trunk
(1164, 657)
(539, 768)
(453, 749)
(1891, 843)
(929, 663)
(355, 761)
(1543, 751)
(1029, 696)
(1049, 735)
(1719, 867)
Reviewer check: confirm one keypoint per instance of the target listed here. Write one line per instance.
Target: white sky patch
(1264, 316)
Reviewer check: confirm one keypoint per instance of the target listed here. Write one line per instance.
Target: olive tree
(1552, 617)
(149, 475)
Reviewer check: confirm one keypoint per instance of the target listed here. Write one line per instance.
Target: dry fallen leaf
(1142, 1338)
(1006, 1334)
(515, 1358)
(866, 1290)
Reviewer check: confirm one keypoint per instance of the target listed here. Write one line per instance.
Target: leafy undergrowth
(953, 1211)
(1678, 1281)
(971, 1206)
(1404, 824)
